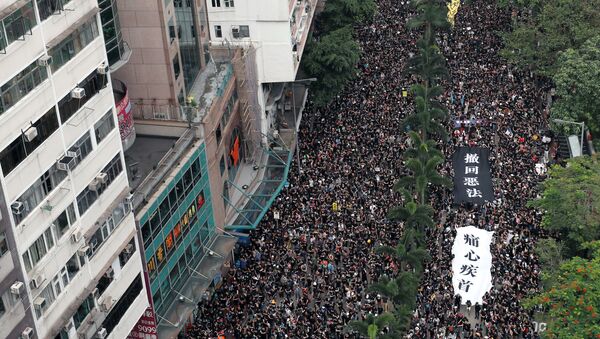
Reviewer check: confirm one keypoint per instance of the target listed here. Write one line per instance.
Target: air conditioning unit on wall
(78, 93)
(44, 60)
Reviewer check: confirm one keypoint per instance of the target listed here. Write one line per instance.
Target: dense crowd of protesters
(306, 275)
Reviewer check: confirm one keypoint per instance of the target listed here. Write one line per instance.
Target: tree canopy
(572, 300)
(332, 60)
(570, 200)
(341, 13)
(537, 42)
(577, 85)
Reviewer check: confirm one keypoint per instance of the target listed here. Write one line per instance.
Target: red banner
(125, 117)
(145, 327)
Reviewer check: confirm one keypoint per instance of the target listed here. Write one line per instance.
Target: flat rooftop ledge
(210, 84)
(150, 159)
(144, 155)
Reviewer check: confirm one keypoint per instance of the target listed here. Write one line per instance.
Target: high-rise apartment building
(67, 222)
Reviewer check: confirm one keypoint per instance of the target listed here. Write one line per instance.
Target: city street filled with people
(306, 275)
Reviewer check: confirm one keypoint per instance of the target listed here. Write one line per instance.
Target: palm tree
(429, 63)
(424, 172)
(432, 14)
(408, 283)
(385, 286)
(423, 121)
(403, 315)
(413, 215)
(372, 325)
(421, 149)
(412, 237)
(407, 256)
(429, 113)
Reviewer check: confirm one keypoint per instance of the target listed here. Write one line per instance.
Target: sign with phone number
(145, 327)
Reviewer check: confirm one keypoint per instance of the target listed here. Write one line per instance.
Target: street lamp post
(296, 123)
(581, 124)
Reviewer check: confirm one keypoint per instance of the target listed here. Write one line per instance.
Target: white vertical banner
(472, 263)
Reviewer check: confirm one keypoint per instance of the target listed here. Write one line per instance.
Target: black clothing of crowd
(306, 276)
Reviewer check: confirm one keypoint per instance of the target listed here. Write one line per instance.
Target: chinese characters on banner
(472, 263)
(472, 177)
(145, 327)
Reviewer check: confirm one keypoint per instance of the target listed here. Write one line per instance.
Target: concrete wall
(149, 73)
(214, 151)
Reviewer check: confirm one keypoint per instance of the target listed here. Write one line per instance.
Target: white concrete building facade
(277, 30)
(62, 173)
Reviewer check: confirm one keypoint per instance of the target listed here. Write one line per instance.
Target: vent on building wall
(83, 251)
(66, 163)
(76, 237)
(102, 333)
(39, 303)
(106, 304)
(69, 326)
(102, 178)
(37, 281)
(102, 69)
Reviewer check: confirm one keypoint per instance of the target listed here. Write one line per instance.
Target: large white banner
(472, 263)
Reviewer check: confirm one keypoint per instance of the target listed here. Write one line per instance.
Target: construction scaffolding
(244, 66)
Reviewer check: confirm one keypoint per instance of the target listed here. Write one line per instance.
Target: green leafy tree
(573, 299)
(521, 47)
(551, 254)
(559, 25)
(577, 85)
(570, 200)
(534, 5)
(341, 13)
(332, 60)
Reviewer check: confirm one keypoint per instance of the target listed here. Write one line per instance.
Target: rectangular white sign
(472, 263)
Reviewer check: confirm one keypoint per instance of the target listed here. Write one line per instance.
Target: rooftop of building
(210, 84)
(144, 155)
(151, 159)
